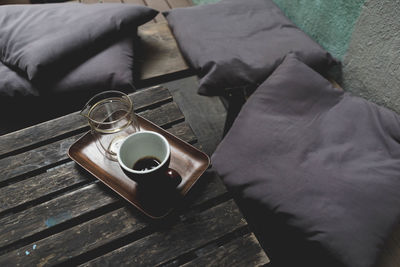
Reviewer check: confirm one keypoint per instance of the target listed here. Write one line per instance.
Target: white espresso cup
(145, 156)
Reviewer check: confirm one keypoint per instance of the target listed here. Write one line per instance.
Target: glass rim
(127, 100)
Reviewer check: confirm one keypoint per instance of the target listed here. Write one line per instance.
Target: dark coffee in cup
(144, 157)
(146, 164)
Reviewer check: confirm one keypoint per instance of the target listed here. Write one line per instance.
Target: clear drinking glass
(111, 118)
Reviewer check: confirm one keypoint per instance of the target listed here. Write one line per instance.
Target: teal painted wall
(329, 22)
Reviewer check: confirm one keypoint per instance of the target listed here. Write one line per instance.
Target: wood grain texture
(160, 53)
(137, 2)
(54, 212)
(98, 232)
(35, 159)
(179, 3)
(41, 186)
(243, 251)
(72, 122)
(48, 155)
(182, 237)
(183, 131)
(90, 1)
(160, 5)
(61, 178)
(60, 247)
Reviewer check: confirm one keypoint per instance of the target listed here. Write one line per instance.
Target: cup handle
(174, 176)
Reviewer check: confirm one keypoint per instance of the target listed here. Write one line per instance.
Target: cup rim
(122, 95)
(122, 164)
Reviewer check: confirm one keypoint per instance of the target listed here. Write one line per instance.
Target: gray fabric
(317, 160)
(234, 44)
(110, 69)
(13, 84)
(65, 48)
(41, 40)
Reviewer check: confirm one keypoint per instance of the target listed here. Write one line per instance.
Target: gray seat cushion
(41, 39)
(62, 48)
(237, 44)
(319, 166)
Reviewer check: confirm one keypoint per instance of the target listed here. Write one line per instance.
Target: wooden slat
(179, 3)
(183, 131)
(41, 157)
(164, 115)
(243, 251)
(97, 232)
(183, 237)
(32, 160)
(59, 179)
(60, 247)
(207, 188)
(72, 122)
(49, 214)
(161, 55)
(160, 5)
(137, 2)
(40, 186)
(90, 1)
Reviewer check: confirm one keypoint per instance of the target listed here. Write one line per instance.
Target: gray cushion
(44, 52)
(110, 69)
(234, 43)
(319, 162)
(13, 84)
(44, 40)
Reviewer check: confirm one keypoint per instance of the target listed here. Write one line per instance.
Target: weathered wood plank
(164, 115)
(160, 5)
(161, 55)
(41, 157)
(183, 131)
(243, 251)
(72, 122)
(36, 159)
(61, 178)
(97, 232)
(64, 208)
(207, 188)
(60, 247)
(42, 185)
(137, 2)
(179, 3)
(181, 238)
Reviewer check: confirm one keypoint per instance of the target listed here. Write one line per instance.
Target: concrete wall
(371, 67)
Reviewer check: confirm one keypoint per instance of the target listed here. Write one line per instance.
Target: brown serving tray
(155, 202)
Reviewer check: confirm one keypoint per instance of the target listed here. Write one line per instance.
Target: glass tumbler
(111, 119)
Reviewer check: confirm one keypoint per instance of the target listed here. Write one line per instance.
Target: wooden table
(54, 212)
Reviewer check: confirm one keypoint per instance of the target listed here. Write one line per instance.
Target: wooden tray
(187, 160)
